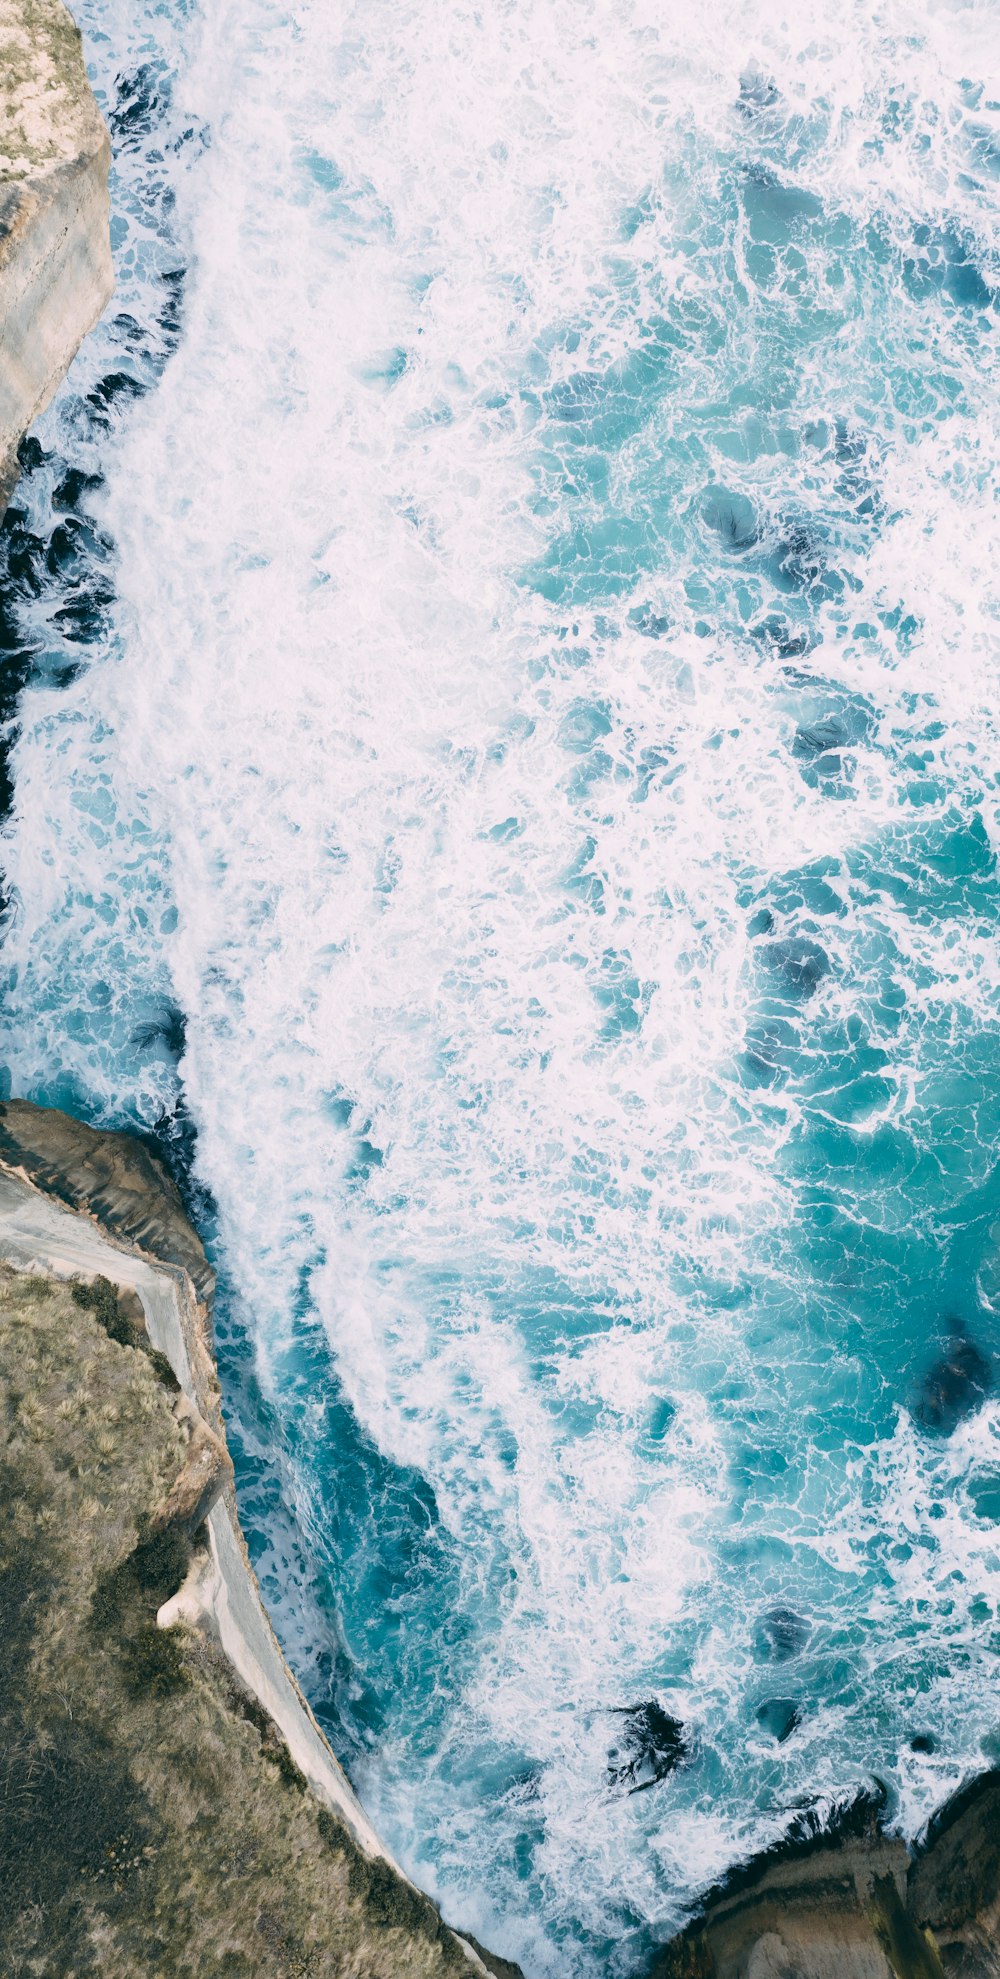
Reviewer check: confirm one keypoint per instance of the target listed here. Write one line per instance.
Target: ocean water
(500, 655)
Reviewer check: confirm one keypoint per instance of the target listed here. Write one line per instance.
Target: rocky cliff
(852, 1902)
(55, 251)
(168, 1803)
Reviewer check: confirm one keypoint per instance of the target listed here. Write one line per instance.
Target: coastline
(56, 1227)
(853, 1904)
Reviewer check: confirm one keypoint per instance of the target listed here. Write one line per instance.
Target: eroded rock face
(851, 1902)
(110, 1176)
(55, 250)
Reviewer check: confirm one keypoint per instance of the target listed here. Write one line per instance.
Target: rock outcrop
(855, 1903)
(55, 250)
(110, 1177)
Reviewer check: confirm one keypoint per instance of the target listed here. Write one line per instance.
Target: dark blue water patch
(171, 313)
(651, 624)
(799, 562)
(56, 564)
(833, 724)
(731, 517)
(335, 1681)
(69, 494)
(141, 104)
(812, 891)
(770, 1055)
(363, 1158)
(984, 1493)
(758, 93)
(778, 636)
(941, 869)
(818, 745)
(22, 562)
(662, 1413)
(165, 1029)
(111, 390)
(364, 1161)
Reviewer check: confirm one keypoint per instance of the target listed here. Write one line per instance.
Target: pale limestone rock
(55, 251)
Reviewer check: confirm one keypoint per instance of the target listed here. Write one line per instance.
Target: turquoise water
(506, 792)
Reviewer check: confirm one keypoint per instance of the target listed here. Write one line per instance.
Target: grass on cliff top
(152, 1820)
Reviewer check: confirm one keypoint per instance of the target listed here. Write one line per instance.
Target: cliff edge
(55, 248)
(168, 1802)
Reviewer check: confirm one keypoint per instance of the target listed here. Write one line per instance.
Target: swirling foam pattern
(511, 739)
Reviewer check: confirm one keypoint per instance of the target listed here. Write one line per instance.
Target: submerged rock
(781, 1634)
(651, 1745)
(778, 1716)
(108, 1175)
(731, 517)
(798, 963)
(955, 1387)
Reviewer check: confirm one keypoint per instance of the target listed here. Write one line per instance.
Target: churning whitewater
(508, 772)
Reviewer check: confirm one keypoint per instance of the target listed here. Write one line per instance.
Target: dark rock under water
(955, 1387)
(780, 1635)
(795, 963)
(651, 1745)
(778, 1716)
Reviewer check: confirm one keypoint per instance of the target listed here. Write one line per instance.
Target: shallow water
(507, 784)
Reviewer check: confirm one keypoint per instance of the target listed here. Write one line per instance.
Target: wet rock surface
(152, 1816)
(650, 1745)
(184, 1815)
